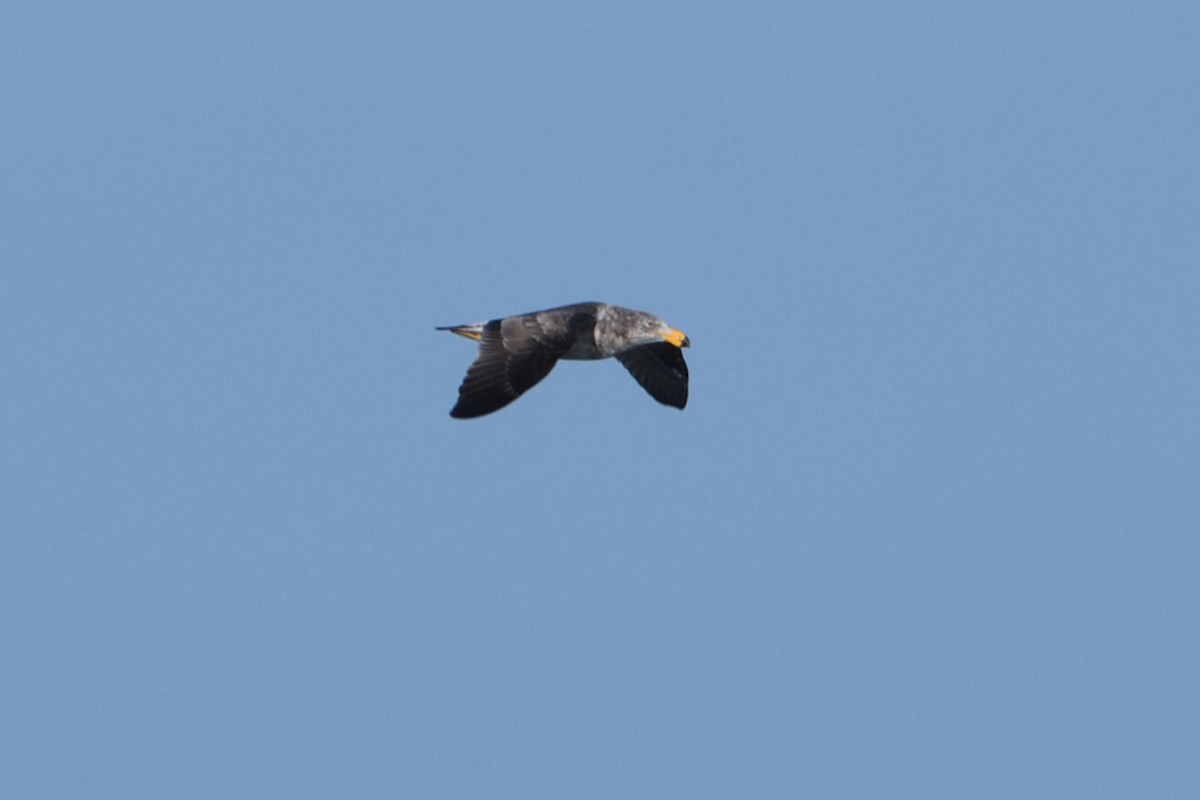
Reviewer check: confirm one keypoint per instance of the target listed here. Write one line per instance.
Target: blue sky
(928, 527)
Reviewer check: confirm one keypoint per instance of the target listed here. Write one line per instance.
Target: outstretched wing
(514, 354)
(661, 370)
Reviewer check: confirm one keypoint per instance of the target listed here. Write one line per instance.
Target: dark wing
(661, 370)
(514, 354)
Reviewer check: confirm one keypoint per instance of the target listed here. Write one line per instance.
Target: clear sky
(929, 526)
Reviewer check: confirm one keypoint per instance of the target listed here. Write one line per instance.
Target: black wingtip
(472, 408)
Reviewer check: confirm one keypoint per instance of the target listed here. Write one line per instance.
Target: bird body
(516, 352)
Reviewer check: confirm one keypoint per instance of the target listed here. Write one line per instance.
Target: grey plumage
(516, 352)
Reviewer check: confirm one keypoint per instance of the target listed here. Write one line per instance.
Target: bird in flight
(516, 352)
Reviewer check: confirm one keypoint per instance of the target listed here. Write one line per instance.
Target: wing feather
(514, 354)
(661, 371)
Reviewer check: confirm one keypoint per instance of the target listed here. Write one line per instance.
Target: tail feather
(474, 331)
